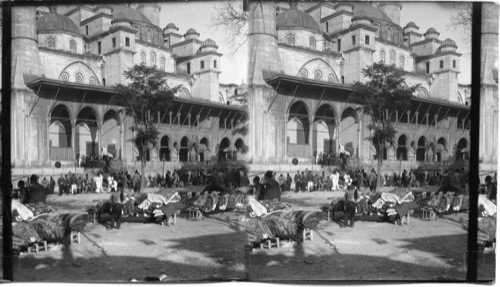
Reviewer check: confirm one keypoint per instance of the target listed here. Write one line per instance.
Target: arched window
(402, 61)
(79, 78)
(92, 81)
(382, 56)
(153, 59)
(51, 43)
(389, 34)
(393, 58)
(318, 76)
(290, 39)
(312, 43)
(143, 58)
(332, 78)
(303, 73)
(422, 93)
(64, 77)
(162, 63)
(72, 46)
(149, 36)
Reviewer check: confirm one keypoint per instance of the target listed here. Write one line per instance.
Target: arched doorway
(203, 149)
(240, 149)
(86, 133)
(164, 150)
(402, 152)
(60, 134)
(348, 131)
(324, 130)
(224, 149)
(111, 133)
(441, 149)
(183, 152)
(421, 149)
(462, 149)
(298, 113)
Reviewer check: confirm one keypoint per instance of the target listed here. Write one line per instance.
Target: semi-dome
(369, 11)
(209, 42)
(431, 31)
(125, 12)
(411, 25)
(449, 43)
(191, 31)
(296, 18)
(56, 23)
(171, 26)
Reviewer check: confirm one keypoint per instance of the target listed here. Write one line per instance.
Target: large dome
(56, 23)
(124, 12)
(369, 11)
(296, 18)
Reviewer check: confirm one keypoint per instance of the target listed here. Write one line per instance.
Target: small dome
(191, 31)
(125, 12)
(209, 43)
(171, 26)
(296, 18)
(369, 11)
(411, 25)
(56, 23)
(431, 31)
(449, 43)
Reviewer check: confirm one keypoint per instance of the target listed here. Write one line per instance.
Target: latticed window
(79, 78)
(290, 39)
(332, 78)
(393, 58)
(382, 56)
(93, 81)
(312, 43)
(303, 73)
(402, 61)
(72, 46)
(143, 58)
(153, 59)
(318, 76)
(51, 43)
(162, 63)
(64, 77)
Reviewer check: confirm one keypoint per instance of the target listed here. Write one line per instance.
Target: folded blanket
(223, 202)
(25, 231)
(40, 208)
(259, 228)
(274, 204)
(23, 213)
(256, 206)
(489, 207)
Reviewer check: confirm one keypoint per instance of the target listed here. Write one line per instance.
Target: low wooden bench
(38, 247)
(172, 220)
(270, 244)
(195, 213)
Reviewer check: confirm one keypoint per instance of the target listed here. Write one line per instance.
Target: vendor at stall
(37, 192)
(270, 188)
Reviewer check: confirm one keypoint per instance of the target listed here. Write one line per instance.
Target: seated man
(270, 188)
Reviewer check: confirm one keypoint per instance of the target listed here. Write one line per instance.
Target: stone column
(73, 136)
(121, 140)
(99, 136)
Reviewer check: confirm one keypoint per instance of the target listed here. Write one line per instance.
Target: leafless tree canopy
(462, 19)
(231, 17)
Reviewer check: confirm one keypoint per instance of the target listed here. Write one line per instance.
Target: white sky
(198, 15)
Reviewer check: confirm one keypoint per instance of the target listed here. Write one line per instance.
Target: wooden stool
(307, 234)
(74, 237)
(38, 247)
(428, 214)
(269, 244)
(327, 215)
(92, 217)
(195, 213)
(171, 220)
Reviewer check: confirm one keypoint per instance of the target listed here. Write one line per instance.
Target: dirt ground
(213, 249)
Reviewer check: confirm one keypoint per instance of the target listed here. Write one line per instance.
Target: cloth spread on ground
(486, 229)
(40, 208)
(274, 204)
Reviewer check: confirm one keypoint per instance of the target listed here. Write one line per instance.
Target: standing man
(98, 182)
(351, 198)
(297, 180)
(60, 184)
(335, 180)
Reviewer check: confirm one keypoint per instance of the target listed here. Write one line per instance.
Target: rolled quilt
(223, 202)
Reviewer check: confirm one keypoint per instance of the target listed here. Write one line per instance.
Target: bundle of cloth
(445, 201)
(50, 228)
(486, 230)
(486, 206)
(40, 208)
(156, 207)
(282, 223)
(20, 212)
(213, 201)
(391, 206)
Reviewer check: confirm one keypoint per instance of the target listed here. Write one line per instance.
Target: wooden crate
(38, 247)
(270, 244)
(308, 234)
(172, 220)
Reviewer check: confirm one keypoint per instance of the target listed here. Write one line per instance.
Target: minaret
(26, 132)
(267, 139)
(488, 134)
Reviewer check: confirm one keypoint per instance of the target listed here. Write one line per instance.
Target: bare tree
(231, 17)
(462, 19)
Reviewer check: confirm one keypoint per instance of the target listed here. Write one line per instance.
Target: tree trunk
(380, 159)
(143, 167)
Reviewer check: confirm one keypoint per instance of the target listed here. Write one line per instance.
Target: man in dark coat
(52, 185)
(37, 192)
(297, 179)
(61, 184)
(271, 188)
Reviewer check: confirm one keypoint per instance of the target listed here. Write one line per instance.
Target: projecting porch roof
(57, 91)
